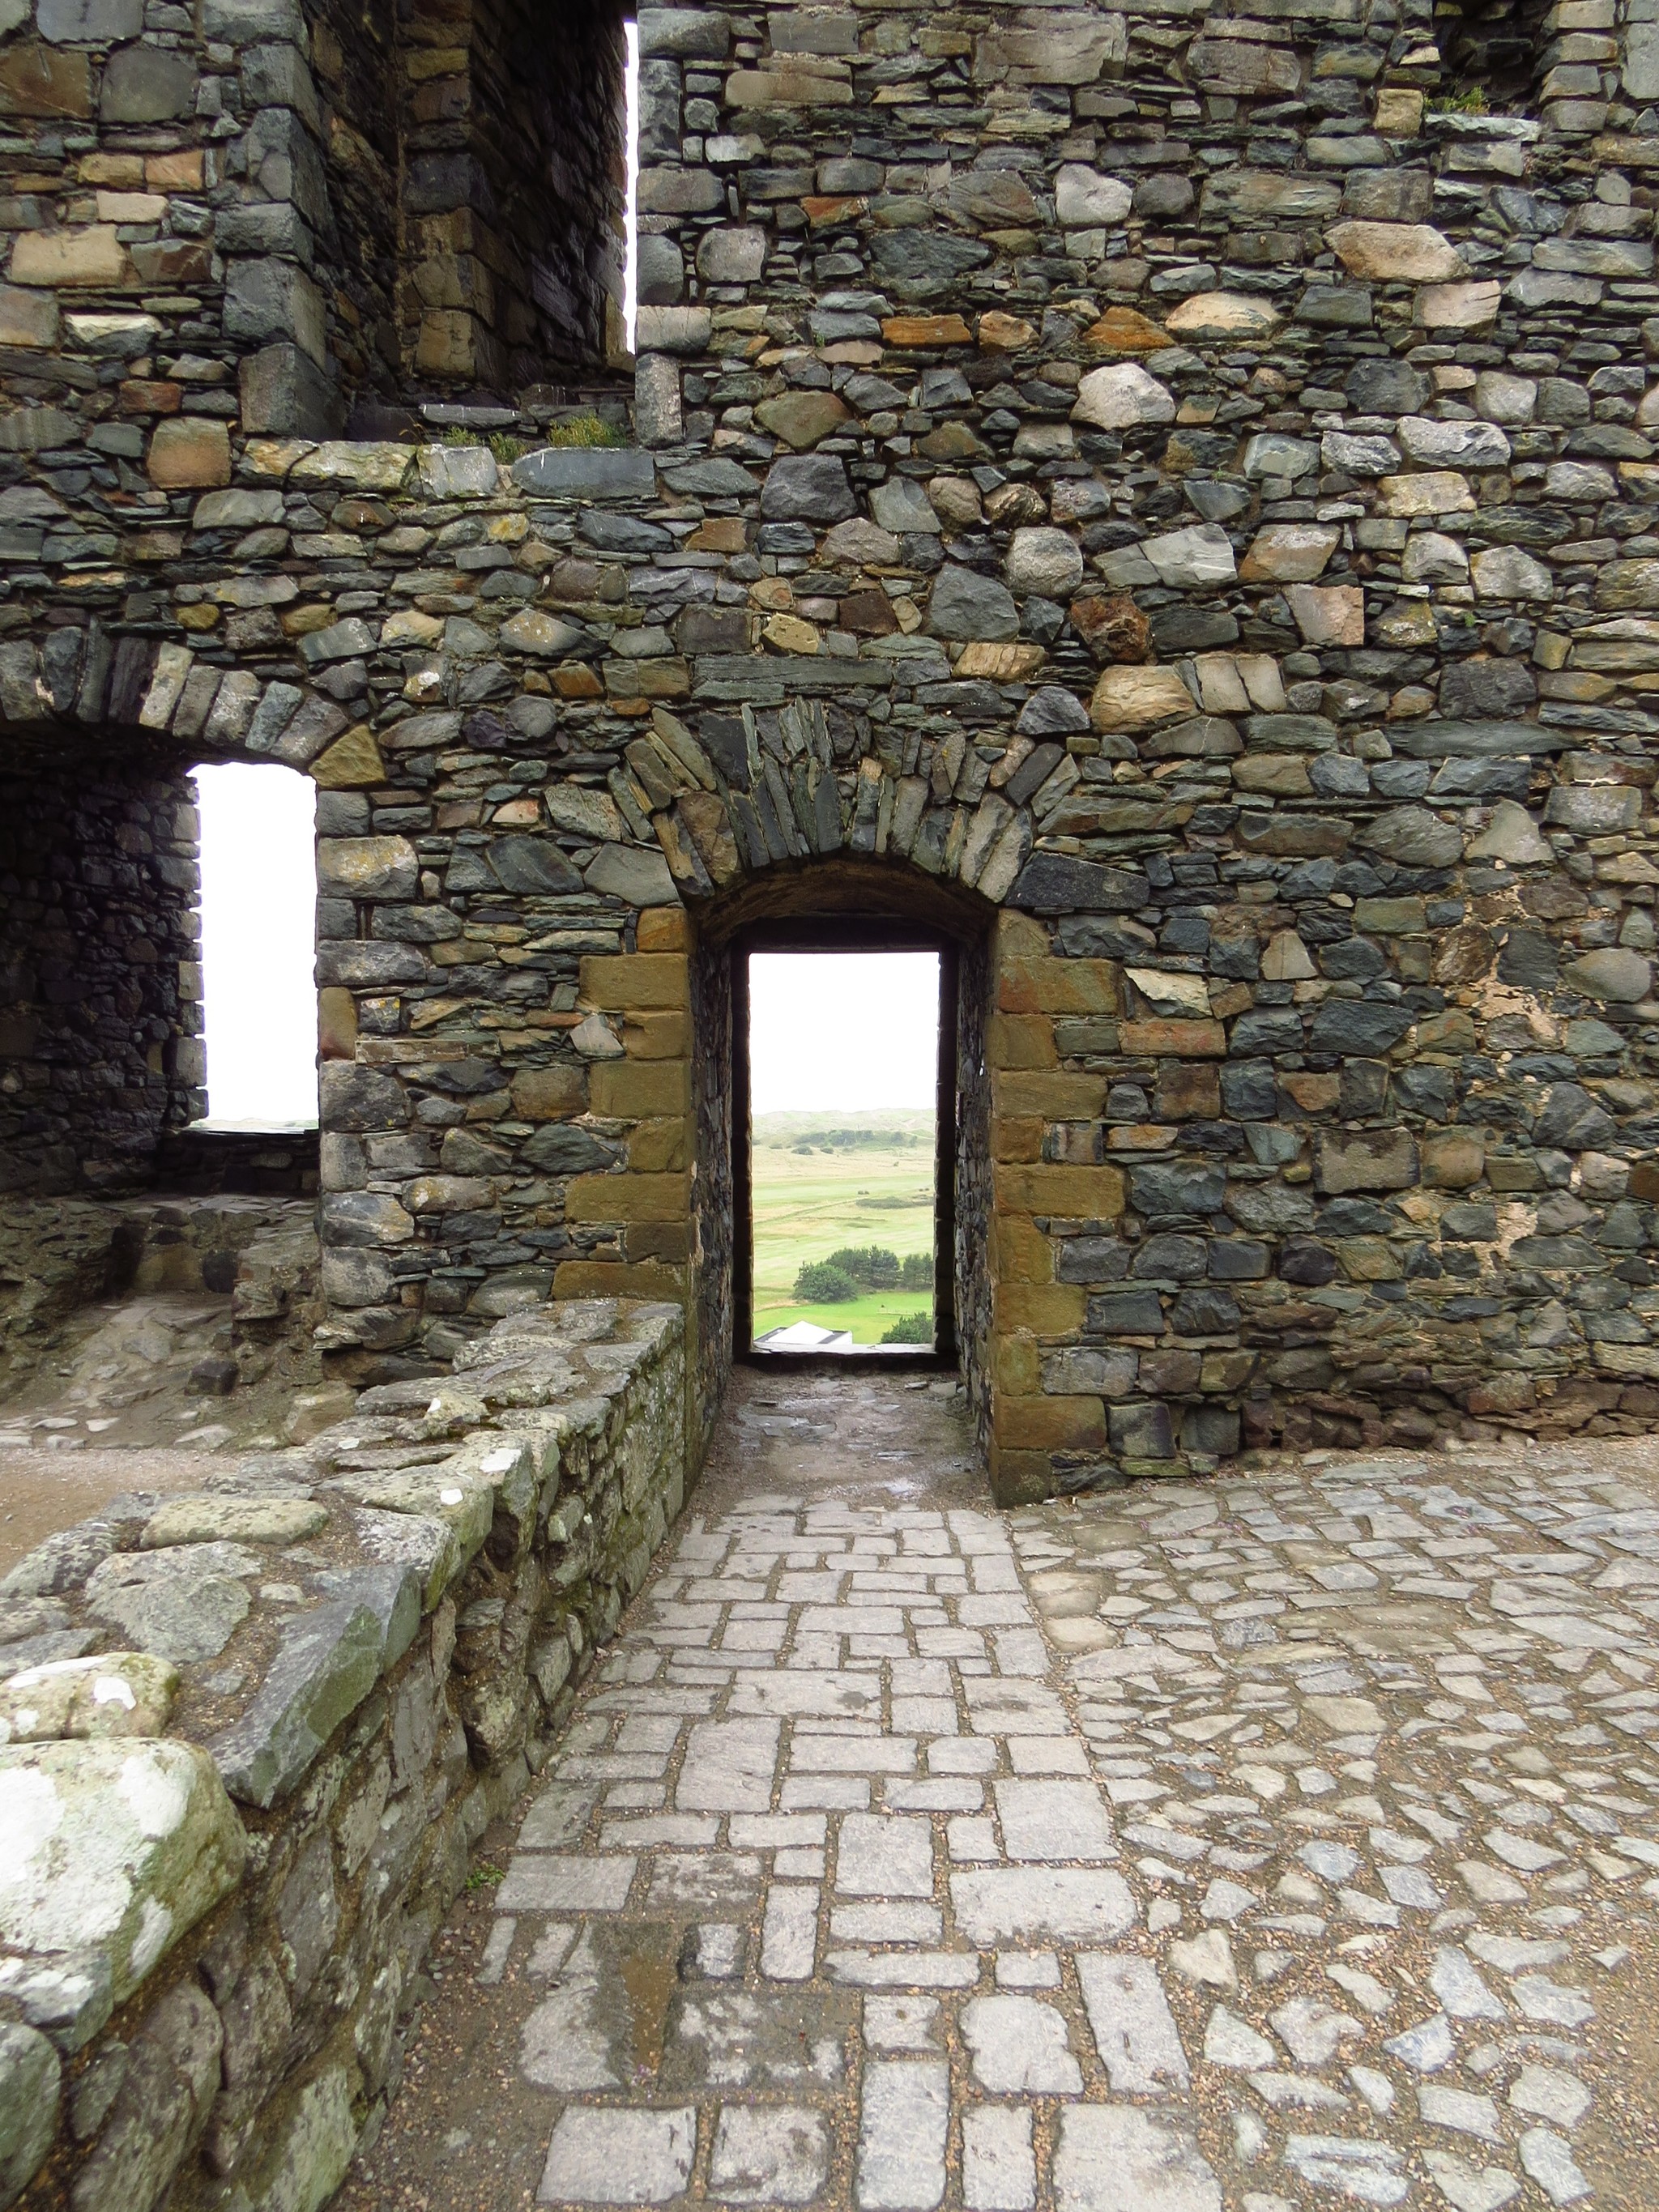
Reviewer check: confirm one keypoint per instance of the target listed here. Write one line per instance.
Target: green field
(876, 1189)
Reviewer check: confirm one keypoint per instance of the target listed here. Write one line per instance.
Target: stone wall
(206, 2002)
(1162, 480)
(100, 983)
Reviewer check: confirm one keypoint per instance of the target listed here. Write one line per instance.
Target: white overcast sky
(258, 924)
(842, 1029)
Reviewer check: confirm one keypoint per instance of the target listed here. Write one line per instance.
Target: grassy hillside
(822, 1181)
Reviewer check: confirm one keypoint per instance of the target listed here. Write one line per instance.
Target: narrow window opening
(258, 900)
(848, 1241)
(1489, 55)
(631, 139)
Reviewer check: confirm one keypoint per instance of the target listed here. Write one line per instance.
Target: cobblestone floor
(1282, 1841)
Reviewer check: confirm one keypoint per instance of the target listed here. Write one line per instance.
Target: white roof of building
(805, 1336)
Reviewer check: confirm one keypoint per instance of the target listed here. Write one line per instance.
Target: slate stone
(532, 865)
(1437, 740)
(622, 533)
(1127, 1313)
(587, 472)
(1204, 1312)
(1248, 1089)
(1267, 1029)
(63, 1561)
(720, 478)
(326, 1663)
(90, 22)
(919, 264)
(1048, 712)
(184, 1602)
(807, 487)
(561, 1148)
(1529, 960)
(1386, 387)
(967, 606)
(65, 1994)
(1092, 936)
(1458, 780)
(1166, 1190)
(147, 84)
(31, 2094)
(1141, 1431)
(1344, 1027)
(631, 874)
(1055, 883)
(1174, 1259)
(1573, 1120)
(1478, 689)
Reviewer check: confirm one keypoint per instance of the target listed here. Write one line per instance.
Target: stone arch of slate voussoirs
(794, 781)
(100, 1048)
(861, 903)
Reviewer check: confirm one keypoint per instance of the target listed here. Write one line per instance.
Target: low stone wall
(250, 1735)
(61, 1254)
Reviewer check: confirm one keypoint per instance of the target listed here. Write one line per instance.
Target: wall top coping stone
(123, 1800)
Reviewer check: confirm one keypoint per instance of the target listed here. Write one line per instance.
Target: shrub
(869, 1263)
(910, 1328)
(820, 1282)
(917, 1272)
(589, 430)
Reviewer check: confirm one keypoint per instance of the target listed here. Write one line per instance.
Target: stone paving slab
(1282, 1841)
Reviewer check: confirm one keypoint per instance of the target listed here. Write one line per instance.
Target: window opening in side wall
(258, 909)
(850, 1090)
(631, 272)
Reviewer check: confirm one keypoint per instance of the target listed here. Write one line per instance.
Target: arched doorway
(842, 902)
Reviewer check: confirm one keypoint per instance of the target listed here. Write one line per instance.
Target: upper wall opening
(1490, 51)
(514, 252)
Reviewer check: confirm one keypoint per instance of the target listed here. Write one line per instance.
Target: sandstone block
(1192, 1040)
(1128, 699)
(1234, 316)
(1084, 197)
(1434, 491)
(1122, 397)
(94, 255)
(187, 451)
(1087, 1194)
(1396, 252)
(798, 82)
(1466, 307)
(1384, 1159)
(42, 81)
(1289, 552)
(1328, 615)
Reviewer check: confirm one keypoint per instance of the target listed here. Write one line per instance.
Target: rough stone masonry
(1167, 497)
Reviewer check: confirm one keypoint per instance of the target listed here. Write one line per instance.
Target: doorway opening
(256, 857)
(844, 1120)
